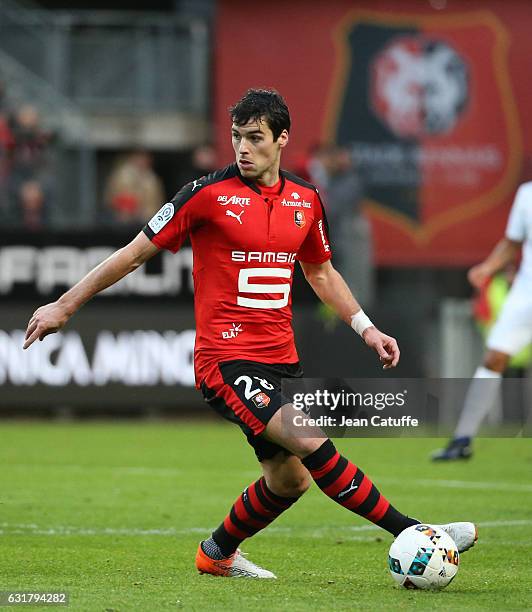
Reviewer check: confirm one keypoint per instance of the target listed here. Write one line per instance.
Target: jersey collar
(252, 185)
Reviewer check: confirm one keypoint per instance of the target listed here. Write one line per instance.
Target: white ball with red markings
(423, 557)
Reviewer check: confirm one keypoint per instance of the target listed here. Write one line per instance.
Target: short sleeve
(169, 227)
(316, 248)
(516, 227)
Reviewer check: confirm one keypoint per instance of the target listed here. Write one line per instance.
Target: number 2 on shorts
(248, 383)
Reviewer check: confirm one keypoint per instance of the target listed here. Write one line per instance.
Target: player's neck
(270, 177)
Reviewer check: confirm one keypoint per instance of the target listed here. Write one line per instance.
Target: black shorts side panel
(258, 385)
(253, 375)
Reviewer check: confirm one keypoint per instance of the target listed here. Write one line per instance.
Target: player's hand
(384, 345)
(45, 320)
(478, 275)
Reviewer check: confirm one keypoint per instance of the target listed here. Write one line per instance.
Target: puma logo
(351, 487)
(230, 213)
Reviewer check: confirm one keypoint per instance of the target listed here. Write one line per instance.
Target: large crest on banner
(425, 104)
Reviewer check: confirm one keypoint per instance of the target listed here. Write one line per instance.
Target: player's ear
(283, 139)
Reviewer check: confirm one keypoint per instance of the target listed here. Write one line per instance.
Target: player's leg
(284, 478)
(344, 482)
(510, 334)
(480, 398)
(479, 401)
(284, 481)
(335, 475)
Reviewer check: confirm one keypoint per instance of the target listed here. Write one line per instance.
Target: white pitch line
(172, 472)
(119, 469)
(466, 484)
(511, 523)
(320, 532)
(462, 484)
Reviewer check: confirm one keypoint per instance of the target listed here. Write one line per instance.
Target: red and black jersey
(245, 242)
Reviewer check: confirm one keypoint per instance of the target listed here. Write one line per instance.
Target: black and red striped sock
(255, 509)
(347, 485)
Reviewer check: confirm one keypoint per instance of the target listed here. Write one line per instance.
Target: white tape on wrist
(360, 322)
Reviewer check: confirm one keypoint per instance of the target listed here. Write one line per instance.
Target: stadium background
(101, 103)
(109, 82)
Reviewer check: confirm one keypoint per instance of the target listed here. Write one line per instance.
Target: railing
(74, 189)
(64, 117)
(111, 61)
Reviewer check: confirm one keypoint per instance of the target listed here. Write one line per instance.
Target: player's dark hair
(256, 104)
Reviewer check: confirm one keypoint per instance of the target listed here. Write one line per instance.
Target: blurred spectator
(204, 160)
(31, 210)
(25, 169)
(134, 192)
(307, 164)
(332, 169)
(4, 107)
(315, 164)
(6, 137)
(6, 145)
(29, 159)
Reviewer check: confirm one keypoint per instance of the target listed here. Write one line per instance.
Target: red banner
(431, 103)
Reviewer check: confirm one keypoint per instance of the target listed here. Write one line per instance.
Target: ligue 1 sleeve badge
(299, 218)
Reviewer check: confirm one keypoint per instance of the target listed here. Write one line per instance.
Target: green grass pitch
(113, 512)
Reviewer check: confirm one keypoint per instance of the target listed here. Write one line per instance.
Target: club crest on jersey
(299, 218)
(160, 219)
(261, 400)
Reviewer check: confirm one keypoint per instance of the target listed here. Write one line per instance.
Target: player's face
(257, 154)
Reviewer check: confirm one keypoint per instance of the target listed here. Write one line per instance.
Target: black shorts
(248, 393)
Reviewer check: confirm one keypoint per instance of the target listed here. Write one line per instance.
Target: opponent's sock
(255, 509)
(479, 400)
(348, 486)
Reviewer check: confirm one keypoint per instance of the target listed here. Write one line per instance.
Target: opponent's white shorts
(513, 329)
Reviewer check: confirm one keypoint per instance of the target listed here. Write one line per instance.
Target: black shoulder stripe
(189, 190)
(222, 174)
(298, 180)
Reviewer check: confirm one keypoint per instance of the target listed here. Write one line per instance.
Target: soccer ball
(423, 557)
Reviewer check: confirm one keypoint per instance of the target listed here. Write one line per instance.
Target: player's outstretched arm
(52, 317)
(504, 252)
(331, 288)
